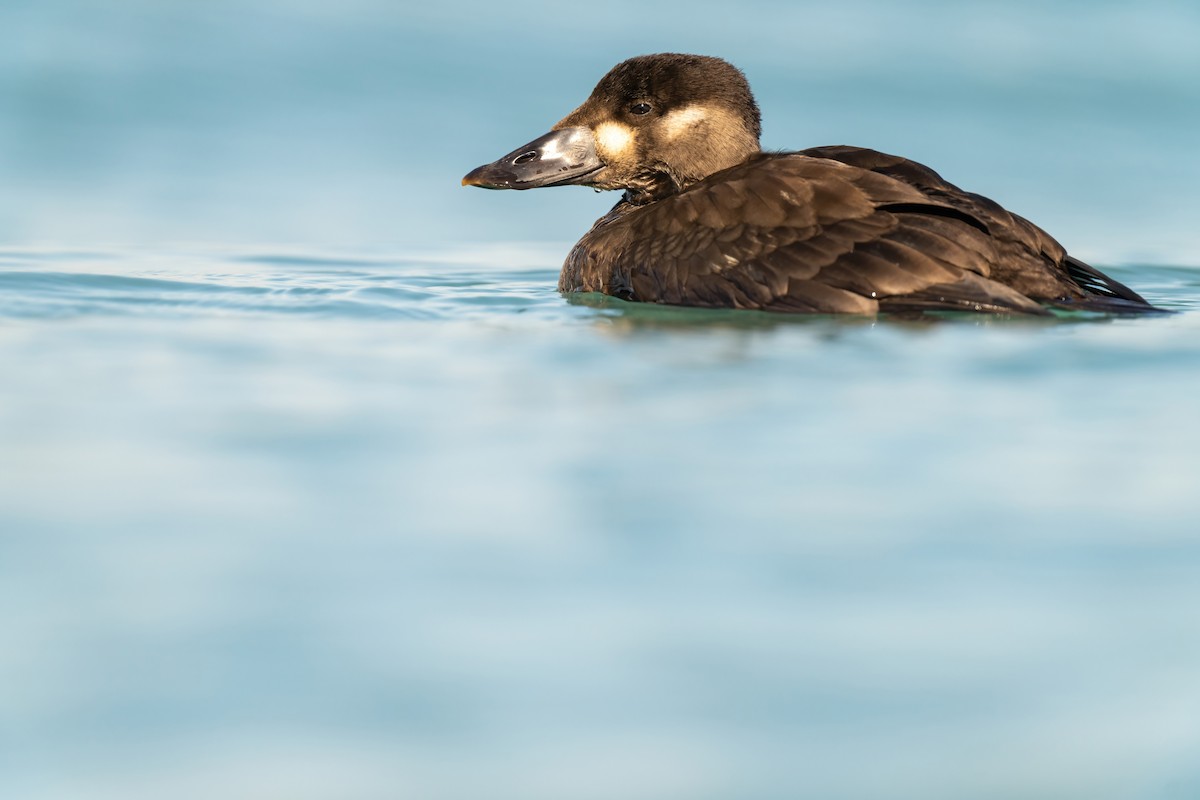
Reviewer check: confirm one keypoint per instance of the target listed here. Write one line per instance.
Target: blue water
(377, 526)
(313, 487)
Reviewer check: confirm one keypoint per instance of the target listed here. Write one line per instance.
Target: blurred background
(313, 487)
(302, 121)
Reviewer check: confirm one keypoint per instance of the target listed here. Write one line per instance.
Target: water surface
(322, 524)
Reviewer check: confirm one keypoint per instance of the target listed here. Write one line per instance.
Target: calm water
(325, 526)
(313, 488)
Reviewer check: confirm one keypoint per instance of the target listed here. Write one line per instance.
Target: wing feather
(834, 230)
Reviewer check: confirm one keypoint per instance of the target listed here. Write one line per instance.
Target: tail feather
(1103, 293)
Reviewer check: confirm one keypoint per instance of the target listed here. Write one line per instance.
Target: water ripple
(50, 284)
(463, 285)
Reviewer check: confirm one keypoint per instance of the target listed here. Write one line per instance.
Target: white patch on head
(680, 121)
(613, 139)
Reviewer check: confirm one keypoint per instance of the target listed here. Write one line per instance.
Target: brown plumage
(707, 219)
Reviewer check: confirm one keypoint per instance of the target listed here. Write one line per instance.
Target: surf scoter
(708, 219)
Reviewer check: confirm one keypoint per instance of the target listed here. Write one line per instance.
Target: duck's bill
(561, 157)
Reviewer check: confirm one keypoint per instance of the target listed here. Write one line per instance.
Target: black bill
(560, 157)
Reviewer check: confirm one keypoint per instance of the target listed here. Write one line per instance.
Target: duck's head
(653, 125)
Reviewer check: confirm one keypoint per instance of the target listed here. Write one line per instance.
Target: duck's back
(833, 230)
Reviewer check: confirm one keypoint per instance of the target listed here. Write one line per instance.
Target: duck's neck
(725, 149)
(652, 186)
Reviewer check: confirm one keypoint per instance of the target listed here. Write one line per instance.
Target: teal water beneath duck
(332, 525)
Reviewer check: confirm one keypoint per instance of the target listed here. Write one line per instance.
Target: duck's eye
(640, 108)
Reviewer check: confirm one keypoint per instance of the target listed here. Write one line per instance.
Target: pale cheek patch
(613, 139)
(677, 123)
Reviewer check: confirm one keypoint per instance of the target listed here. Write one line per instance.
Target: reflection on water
(309, 526)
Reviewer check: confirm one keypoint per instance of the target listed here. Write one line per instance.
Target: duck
(709, 219)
